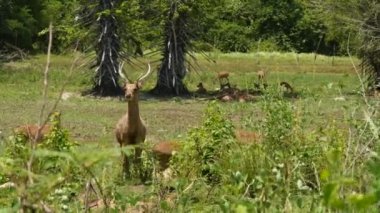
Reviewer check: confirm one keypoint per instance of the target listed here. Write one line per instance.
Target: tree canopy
(238, 25)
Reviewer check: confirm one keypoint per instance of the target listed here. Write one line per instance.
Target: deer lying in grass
(224, 80)
(163, 151)
(247, 137)
(131, 130)
(201, 89)
(287, 87)
(29, 131)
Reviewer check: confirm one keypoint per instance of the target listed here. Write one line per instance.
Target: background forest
(224, 25)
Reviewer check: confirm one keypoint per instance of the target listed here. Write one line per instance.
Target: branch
(42, 122)
(34, 141)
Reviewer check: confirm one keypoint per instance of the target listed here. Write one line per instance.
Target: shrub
(283, 170)
(205, 146)
(52, 168)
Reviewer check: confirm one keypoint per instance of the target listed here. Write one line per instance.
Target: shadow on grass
(229, 94)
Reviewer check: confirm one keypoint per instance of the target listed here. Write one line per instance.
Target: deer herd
(228, 93)
(130, 130)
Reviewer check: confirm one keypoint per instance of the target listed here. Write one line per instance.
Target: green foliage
(292, 168)
(293, 25)
(369, 50)
(341, 192)
(58, 139)
(58, 175)
(315, 154)
(205, 146)
(278, 123)
(267, 45)
(231, 37)
(350, 176)
(143, 171)
(23, 21)
(280, 169)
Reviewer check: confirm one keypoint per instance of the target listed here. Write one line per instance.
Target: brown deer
(35, 132)
(224, 80)
(262, 80)
(247, 137)
(163, 151)
(287, 87)
(30, 131)
(131, 130)
(261, 75)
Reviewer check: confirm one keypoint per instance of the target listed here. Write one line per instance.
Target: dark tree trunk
(173, 70)
(370, 50)
(105, 82)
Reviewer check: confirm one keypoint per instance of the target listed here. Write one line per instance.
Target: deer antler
(123, 75)
(142, 77)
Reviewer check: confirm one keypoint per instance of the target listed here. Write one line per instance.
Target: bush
(267, 45)
(205, 146)
(51, 170)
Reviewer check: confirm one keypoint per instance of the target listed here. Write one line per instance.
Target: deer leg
(137, 161)
(126, 171)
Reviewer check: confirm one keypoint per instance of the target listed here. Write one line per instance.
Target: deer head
(131, 88)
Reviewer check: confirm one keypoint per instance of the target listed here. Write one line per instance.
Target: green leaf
(361, 201)
(241, 209)
(330, 192)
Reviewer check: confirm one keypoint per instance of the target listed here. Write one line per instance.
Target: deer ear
(139, 84)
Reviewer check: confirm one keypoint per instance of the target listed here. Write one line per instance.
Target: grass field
(21, 92)
(329, 99)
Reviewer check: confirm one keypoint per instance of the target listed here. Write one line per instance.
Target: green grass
(21, 96)
(91, 121)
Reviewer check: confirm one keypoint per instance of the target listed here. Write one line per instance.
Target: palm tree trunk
(172, 70)
(105, 82)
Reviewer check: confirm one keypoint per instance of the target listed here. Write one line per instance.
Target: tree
(370, 50)
(107, 51)
(360, 20)
(232, 26)
(99, 18)
(181, 27)
(172, 70)
(19, 22)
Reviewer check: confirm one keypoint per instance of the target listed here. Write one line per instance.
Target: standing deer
(131, 130)
(223, 80)
(262, 78)
(261, 75)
